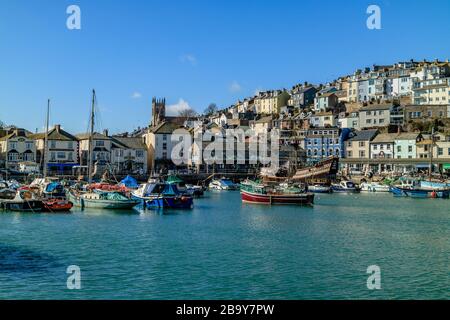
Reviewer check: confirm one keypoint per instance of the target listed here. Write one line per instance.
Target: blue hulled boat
(163, 195)
(420, 189)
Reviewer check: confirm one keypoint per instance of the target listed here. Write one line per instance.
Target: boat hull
(319, 189)
(420, 193)
(26, 206)
(293, 199)
(166, 202)
(81, 202)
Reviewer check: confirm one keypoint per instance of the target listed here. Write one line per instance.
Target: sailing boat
(52, 192)
(97, 198)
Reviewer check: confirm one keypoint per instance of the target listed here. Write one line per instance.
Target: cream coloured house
(15, 147)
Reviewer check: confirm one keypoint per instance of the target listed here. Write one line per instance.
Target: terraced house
(62, 150)
(129, 155)
(17, 147)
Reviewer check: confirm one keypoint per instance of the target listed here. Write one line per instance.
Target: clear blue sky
(198, 51)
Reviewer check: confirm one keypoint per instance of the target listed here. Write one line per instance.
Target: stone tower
(158, 111)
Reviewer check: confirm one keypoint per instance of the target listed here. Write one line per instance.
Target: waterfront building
(101, 147)
(357, 147)
(61, 153)
(15, 147)
(262, 125)
(382, 146)
(160, 146)
(434, 91)
(405, 145)
(129, 155)
(323, 142)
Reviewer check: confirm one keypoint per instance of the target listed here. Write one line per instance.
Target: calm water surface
(223, 249)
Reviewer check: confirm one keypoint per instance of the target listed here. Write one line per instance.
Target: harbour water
(223, 249)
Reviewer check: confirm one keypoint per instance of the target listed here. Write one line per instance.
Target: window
(349, 154)
(99, 143)
(140, 153)
(381, 120)
(375, 147)
(362, 143)
(28, 145)
(399, 148)
(440, 151)
(409, 148)
(70, 156)
(53, 144)
(388, 147)
(61, 155)
(70, 145)
(164, 137)
(164, 146)
(13, 156)
(362, 154)
(52, 156)
(13, 145)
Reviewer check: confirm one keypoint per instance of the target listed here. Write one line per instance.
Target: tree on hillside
(187, 113)
(211, 109)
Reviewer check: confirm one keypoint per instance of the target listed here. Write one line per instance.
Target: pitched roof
(131, 142)
(407, 136)
(385, 138)
(363, 135)
(96, 136)
(376, 107)
(16, 133)
(55, 134)
(165, 128)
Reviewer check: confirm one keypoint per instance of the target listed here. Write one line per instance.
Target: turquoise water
(223, 249)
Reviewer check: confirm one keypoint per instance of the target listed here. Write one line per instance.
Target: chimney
(105, 132)
(58, 127)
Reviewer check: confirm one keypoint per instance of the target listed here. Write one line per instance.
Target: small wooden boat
(101, 200)
(56, 205)
(345, 187)
(162, 195)
(253, 192)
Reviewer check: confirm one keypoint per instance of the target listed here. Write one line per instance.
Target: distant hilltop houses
(380, 119)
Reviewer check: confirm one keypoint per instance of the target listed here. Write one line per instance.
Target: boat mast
(430, 168)
(91, 142)
(44, 156)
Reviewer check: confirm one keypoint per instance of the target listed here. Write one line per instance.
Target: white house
(15, 147)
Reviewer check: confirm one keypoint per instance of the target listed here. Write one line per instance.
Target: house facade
(15, 147)
(61, 153)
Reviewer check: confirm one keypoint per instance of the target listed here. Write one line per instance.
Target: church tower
(158, 111)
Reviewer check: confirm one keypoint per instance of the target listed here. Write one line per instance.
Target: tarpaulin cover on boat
(52, 186)
(129, 182)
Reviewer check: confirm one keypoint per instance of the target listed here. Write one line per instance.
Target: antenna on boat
(44, 156)
(91, 142)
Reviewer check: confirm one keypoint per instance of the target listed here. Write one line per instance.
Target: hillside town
(383, 119)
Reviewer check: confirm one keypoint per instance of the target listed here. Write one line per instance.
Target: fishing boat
(21, 200)
(254, 192)
(162, 195)
(223, 184)
(101, 199)
(414, 189)
(345, 187)
(374, 187)
(319, 188)
(52, 194)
